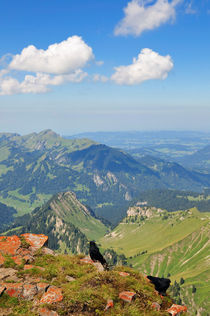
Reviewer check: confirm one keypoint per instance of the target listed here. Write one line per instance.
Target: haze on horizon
(104, 66)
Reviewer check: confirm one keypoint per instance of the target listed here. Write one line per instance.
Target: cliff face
(34, 281)
(67, 222)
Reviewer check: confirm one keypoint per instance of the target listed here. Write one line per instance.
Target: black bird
(95, 255)
(161, 284)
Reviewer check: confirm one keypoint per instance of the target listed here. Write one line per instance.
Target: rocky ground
(36, 281)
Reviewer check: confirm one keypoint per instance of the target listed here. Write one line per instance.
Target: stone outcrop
(27, 286)
(19, 250)
(52, 295)
(127, 296)
(177, 309)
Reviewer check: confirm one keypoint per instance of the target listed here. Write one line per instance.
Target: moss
(9, 262)
(24, 243)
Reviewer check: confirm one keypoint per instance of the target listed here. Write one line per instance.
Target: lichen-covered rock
(14, 289)
(2, 259)
(46, 312)
(127, 296)
(42, 287)
(69, 278)
(7, 272)
(52, 295)
(29, 291)
(9, 244)
(28, 266)
(156, 306)
(97, 264)
(18, 260)
(176, 309)
(87, 260)
(109, 305)
(36, 241)
(124, 274)
(48, 251)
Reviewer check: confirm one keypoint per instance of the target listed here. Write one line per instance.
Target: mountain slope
(67, 222)
(162, 243)
(36, 166)
(200, 160)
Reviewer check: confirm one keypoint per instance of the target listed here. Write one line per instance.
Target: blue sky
(112, 65)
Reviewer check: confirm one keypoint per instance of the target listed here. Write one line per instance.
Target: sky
(102, 65)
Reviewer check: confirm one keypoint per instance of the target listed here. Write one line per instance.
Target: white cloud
(59, 58)
(59, 63)
(101, 78)
(39, 83)
(148, 65)
(141, 16)
(99, 62)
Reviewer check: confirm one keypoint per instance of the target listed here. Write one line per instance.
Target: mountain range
(36, 166)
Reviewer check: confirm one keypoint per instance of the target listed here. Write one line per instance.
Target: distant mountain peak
(48, 132)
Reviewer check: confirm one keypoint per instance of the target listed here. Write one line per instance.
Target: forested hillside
(36, 166)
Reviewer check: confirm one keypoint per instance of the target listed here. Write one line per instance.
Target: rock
(9, 244)
(18, 260)
(176, 309)
(69, 278)
(42, 287)
(52, 295)
(127, 296)
(14, 289)
(28, 266)
(48, 251)
(124, 274)
(2, 288)
(156, 306)
(7, 272)
(2, 259)
(28, 258)
(46, 312)
(87, 260)
(25, 254)
(97, 264)
(13, 279)
(36, 241)
(31, 266)
(29, 291)
(109, 304)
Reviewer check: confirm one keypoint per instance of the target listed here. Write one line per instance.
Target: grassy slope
(181, 250)
(153, 234)
(88, 294)
(72, 211)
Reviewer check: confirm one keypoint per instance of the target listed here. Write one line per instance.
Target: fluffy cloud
(39, 83)
(148, 65)
(59, 58)
(141, 16)
(59, 63)
(101, 78)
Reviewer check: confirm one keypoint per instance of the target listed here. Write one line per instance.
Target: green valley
(162, 243)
